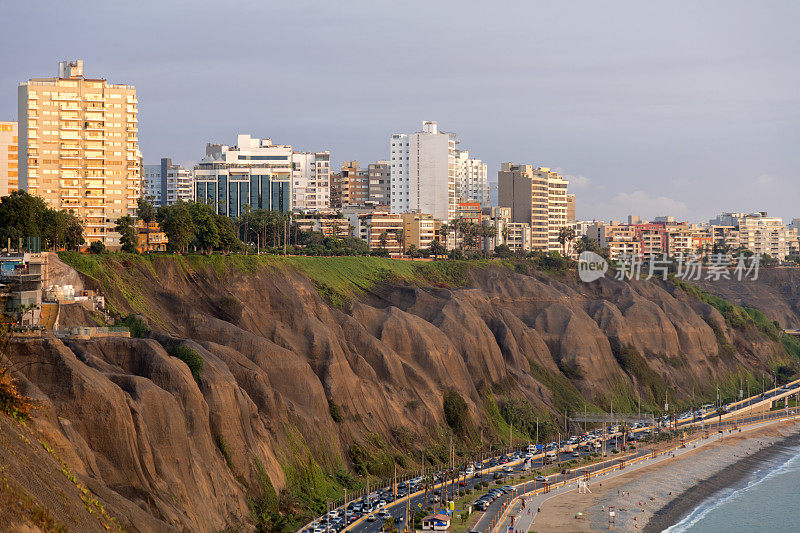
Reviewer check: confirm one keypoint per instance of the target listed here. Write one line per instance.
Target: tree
(565, 236)
(228, 240)
(720, 412)
(147, 214)
(383, 238)
(436, 248)
(176, 222)
(126, 227)
(399, 236)
(586, 244)
(23, 215)
(97, 247)
(503, 251)
(73, 235)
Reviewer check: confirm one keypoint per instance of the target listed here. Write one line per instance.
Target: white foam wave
(720, 499)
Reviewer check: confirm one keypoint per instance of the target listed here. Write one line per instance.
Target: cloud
(642, 203)
(765, 180)
(579, 182)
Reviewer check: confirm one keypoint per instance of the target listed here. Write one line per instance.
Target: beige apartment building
(419, 229)
(762, 234)
(372, 225)
(620, 239)
(536, 196)
(9, 169)
(79, 148)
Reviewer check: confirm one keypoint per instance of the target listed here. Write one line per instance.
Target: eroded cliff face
(164, 450)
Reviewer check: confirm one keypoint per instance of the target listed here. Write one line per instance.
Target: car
(371, 518)
(506, 488)
(508, 469)
(576, 454)
(477, 475)
(481, 505)
(497, 475)
(541, 479)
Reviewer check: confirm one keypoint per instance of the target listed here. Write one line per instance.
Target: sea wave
(726, 495)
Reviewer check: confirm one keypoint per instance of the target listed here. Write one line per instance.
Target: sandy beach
(654, 497)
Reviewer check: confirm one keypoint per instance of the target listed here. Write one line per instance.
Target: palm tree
(720, 411)
(565, 236)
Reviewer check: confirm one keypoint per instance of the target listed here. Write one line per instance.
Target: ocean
(768, 500)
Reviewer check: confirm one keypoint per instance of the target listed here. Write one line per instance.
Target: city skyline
(699, 117)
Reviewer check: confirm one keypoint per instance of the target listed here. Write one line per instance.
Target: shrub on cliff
(456, 412)
(336, 413)
(192, 359)
(137, 326)
(12, 401)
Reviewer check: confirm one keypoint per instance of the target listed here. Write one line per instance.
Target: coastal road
(496, 509)
(522, 518)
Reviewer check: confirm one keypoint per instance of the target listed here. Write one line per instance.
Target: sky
(650, 108)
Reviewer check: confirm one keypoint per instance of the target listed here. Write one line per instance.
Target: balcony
(65, 98)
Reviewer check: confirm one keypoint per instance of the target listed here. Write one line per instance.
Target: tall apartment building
(78, 147)
(380, 177)
(472, 179)
(166, 183)
(9, 164)
(255, 172)
(311, 181)
(400, 192)
(423, 172)
(353, 184)
(536, 196)
(571, 208)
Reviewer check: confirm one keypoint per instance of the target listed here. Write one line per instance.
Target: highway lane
(398, 509)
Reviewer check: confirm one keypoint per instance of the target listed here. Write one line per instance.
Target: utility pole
(537, 430)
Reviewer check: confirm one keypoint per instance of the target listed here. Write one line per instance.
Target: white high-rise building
(472, 180)
(167, 181)
(432, 172)
(311, 181)
(399, 192)
(424, 170)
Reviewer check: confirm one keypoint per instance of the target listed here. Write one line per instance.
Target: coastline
(660, 495)
(730, 477)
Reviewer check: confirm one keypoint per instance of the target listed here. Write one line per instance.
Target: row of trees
(23, 216)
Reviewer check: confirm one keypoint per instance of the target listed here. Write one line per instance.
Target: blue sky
(680, 108)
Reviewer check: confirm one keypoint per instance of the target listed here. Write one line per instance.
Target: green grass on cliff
(338, 279)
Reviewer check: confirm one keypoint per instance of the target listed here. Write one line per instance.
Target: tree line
(23, 215)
